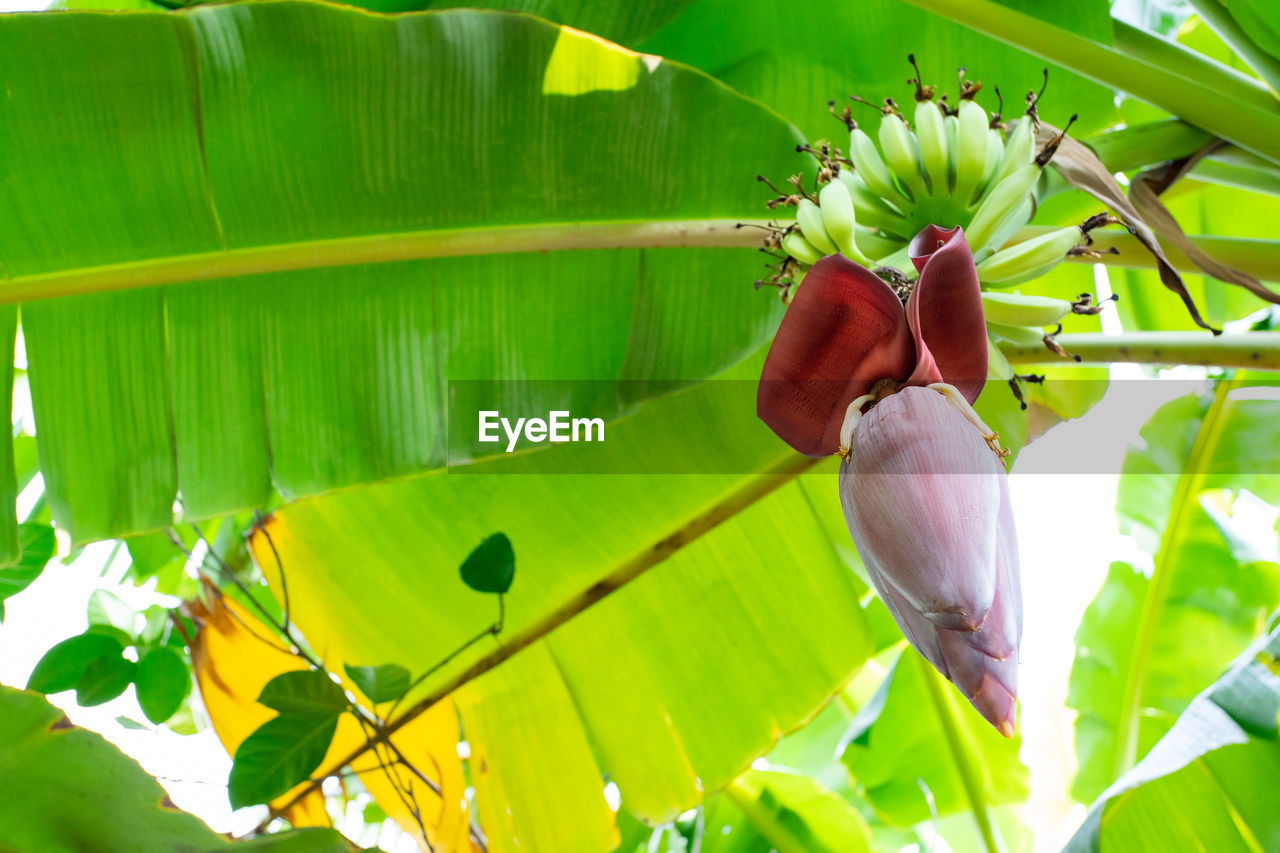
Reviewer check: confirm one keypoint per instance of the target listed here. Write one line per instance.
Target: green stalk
(1235, 114)
(1220, 20)
(1240, 169)
(940, 693)
(1189, 483)
(779, 837)
(382, 248)
(1144, 144)
(1171, 139)
(1255, 350)
(1189, 64)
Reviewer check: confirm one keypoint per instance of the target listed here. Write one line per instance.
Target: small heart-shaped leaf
(491, 566)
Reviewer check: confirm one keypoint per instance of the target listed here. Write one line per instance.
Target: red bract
(846, 330)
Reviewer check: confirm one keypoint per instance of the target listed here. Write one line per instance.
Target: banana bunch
(951, 170)
(952, 166)
(955, 166)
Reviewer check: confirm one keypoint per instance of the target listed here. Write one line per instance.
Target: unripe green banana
(932, 137)
(899, 260)
(899, 147)
(795, 245)
(866, 159)
(1018, 262)
(1012, 224)
(995, 151)
(1000, 202)
(1015, 309)
(998, 366)
(952, 127)
(875, 245)
(839, 219)
(1019, 336)
(870, 210)
(971, 150)
(810, 219)
(1017, 149)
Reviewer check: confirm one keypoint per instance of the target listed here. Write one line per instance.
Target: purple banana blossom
(927, 503)
(925, 497)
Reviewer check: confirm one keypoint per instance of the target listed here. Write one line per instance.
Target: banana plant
(246, 281)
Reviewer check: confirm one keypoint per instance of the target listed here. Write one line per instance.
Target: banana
(1017, 150)
(1012, 224)
(995, 151)
(932, 137)
(795, 245)
(1019, 336)
(971, 150)
(952, 127)
(866, 159)
(901, 261)
(838, 218)
(999, 203)
(1015, 309)
(869, 209)
(877, 245)
(1029, 258)
(899, 146)
(810, 219)
(998, 366)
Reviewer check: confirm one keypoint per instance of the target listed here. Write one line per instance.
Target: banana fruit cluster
(958, 166)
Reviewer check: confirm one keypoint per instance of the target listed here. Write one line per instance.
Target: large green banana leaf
(662, 631)
(67, 790)
(1209, 784)
(798, 57)
(277, 230)
(917, 750)
(1154, 637)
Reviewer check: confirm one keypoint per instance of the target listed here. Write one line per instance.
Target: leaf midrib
(385, 248)
(751, 491)
(1189, 482)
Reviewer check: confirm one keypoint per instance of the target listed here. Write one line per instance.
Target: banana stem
(1221, 21)
(1258, 176)
(1161, 73)
(970, 777)
(1144, 144)
(1254, 350)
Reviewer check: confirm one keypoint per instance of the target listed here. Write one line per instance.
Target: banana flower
(922, 482)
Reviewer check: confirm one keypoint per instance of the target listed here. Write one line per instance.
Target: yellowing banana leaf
(280, 229)
(662, 631)
(234, 656)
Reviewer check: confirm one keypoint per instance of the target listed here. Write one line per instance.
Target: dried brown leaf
(1145, 192)
(1083, 170)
